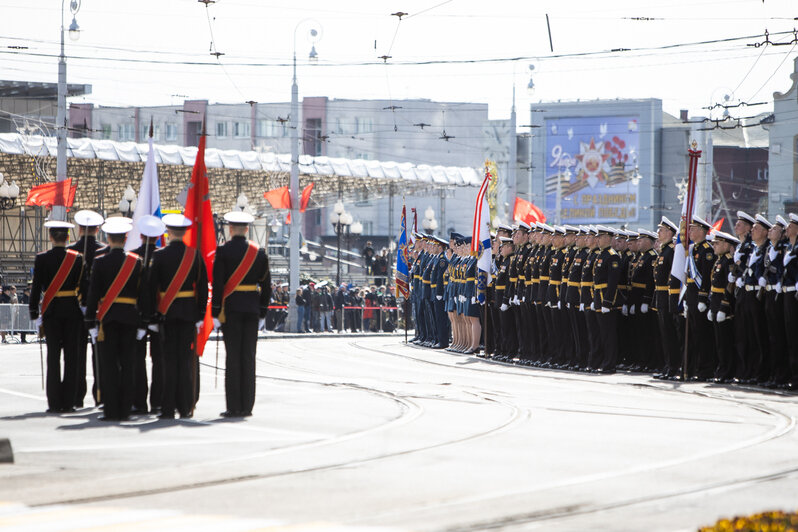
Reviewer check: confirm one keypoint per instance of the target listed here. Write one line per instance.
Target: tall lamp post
(341, 222)
(127, 205)
(293, 239)
(59, 211)
(8, 193)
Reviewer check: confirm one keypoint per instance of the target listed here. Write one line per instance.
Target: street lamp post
(127, 205)
(59, 211)
(293, 239)
(341, 222)
(8, 193)
(430, 224)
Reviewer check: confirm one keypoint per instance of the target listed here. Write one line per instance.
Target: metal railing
(16, 319)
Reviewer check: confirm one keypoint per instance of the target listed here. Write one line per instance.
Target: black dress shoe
(227, 413)
(186, 416)
(106, 418)
(138, 411)
(67, 410)
(166, 415)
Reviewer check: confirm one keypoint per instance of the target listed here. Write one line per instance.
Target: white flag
(149, 201)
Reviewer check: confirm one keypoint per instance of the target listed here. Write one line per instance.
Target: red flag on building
(527, 212)
(49, 194)
(202, 233)
(279, 198)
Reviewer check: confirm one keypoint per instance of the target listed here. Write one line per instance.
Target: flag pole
(694, 154)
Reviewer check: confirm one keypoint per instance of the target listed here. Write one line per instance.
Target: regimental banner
(594, 160)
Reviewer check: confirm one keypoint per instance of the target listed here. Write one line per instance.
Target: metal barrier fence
(352, 318)
(16, 319)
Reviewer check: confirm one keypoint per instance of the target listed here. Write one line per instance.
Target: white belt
(769, 287)
(749, 288)
(788, 289)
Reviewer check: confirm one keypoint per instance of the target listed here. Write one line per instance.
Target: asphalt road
(368, 433)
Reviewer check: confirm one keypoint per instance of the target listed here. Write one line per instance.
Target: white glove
(684, 312)
(702, 307)
(581, 307)
(438, 297)
(461, 298)
(796, 286)
(153, 327)
(604, 310)
(83, 310)
(473, 300)
(737, 256)
(38, 323)
(721, 316)
(559, 305)
(644, 308)
(592, 305)
(567, 305)
(710, 316)
(93, 332)
(778, 288)
(503, 307)
(632, 310)
(730, 278)
(199, 324)
(624, 310)
(216, 324)
(523, 299)
(261, 323)
(140, 333)
(739, 283)
(762, 282)
(548, 304)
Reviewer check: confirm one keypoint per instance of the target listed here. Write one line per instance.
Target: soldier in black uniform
(442, 325)
(641, 301)
(573, 298)
(789, 290)
(88, 223)
(721, 305)
(742, 335)
(780, 373)
(238, 314)
(606, 273)
(151, 228)
(502, 299)
(701, 357)
(113, 324)
(752, 288)
(666, 317)
(586, 304)
(60, 317)
(180, 320)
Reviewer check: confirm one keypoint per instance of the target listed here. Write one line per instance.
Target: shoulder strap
(177, 281)
(241, 271)
(60, 277)
(121, 279)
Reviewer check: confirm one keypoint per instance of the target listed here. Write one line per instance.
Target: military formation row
(594, 298)
(120, 301)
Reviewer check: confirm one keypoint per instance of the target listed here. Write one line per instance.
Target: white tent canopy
(84, 148)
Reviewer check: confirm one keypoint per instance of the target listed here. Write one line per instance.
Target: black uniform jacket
(103, 273)
(165, 263)
(93, 250)
(228, 257)
(45, 267)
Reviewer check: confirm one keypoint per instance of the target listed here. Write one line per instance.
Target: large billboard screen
(594, 160)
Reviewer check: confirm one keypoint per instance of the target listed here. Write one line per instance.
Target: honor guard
(742, 229)
(56, 280)
(506, 321)
(641, 301)
(662, 302)
(701, 357)
(774, 308)
(440, 264)
(606, 273)
(789, 290)
(176, 302)
(572, 299)
(586, 304)
(752, 288)
(721, 305)
(113, 318)
(151, 228)
(241, 292)
(88, 223)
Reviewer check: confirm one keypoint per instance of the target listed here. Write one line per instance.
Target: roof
(35, 89)
(84, 148)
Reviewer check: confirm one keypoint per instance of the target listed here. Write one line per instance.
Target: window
(312, 141)
(144, 133)
(106, 131)
(171, 131)
(271, 128)
(364, 125)
(127, 132)
(241, 129)
(221, 129)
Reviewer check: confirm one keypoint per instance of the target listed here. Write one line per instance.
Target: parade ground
(367, 433)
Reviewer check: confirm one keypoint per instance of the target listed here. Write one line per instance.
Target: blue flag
(402, 260)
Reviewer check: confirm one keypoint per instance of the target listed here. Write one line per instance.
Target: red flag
(303, 203)
(49, 194)
(279, 198)
(717, 225)
(202, 233)
(527, 212)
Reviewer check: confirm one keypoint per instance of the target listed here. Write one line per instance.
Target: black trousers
(790, 321)
(724, 343)
(702, 359)
(240, 331)
(608, 332)
(596, 353)
(117, 374)
(140, 387)
(178, 367)
(62, 335)
(780, 371)
(156, 357)
(442, 325)
(82, 352)
(670, 347)
(755, 349)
